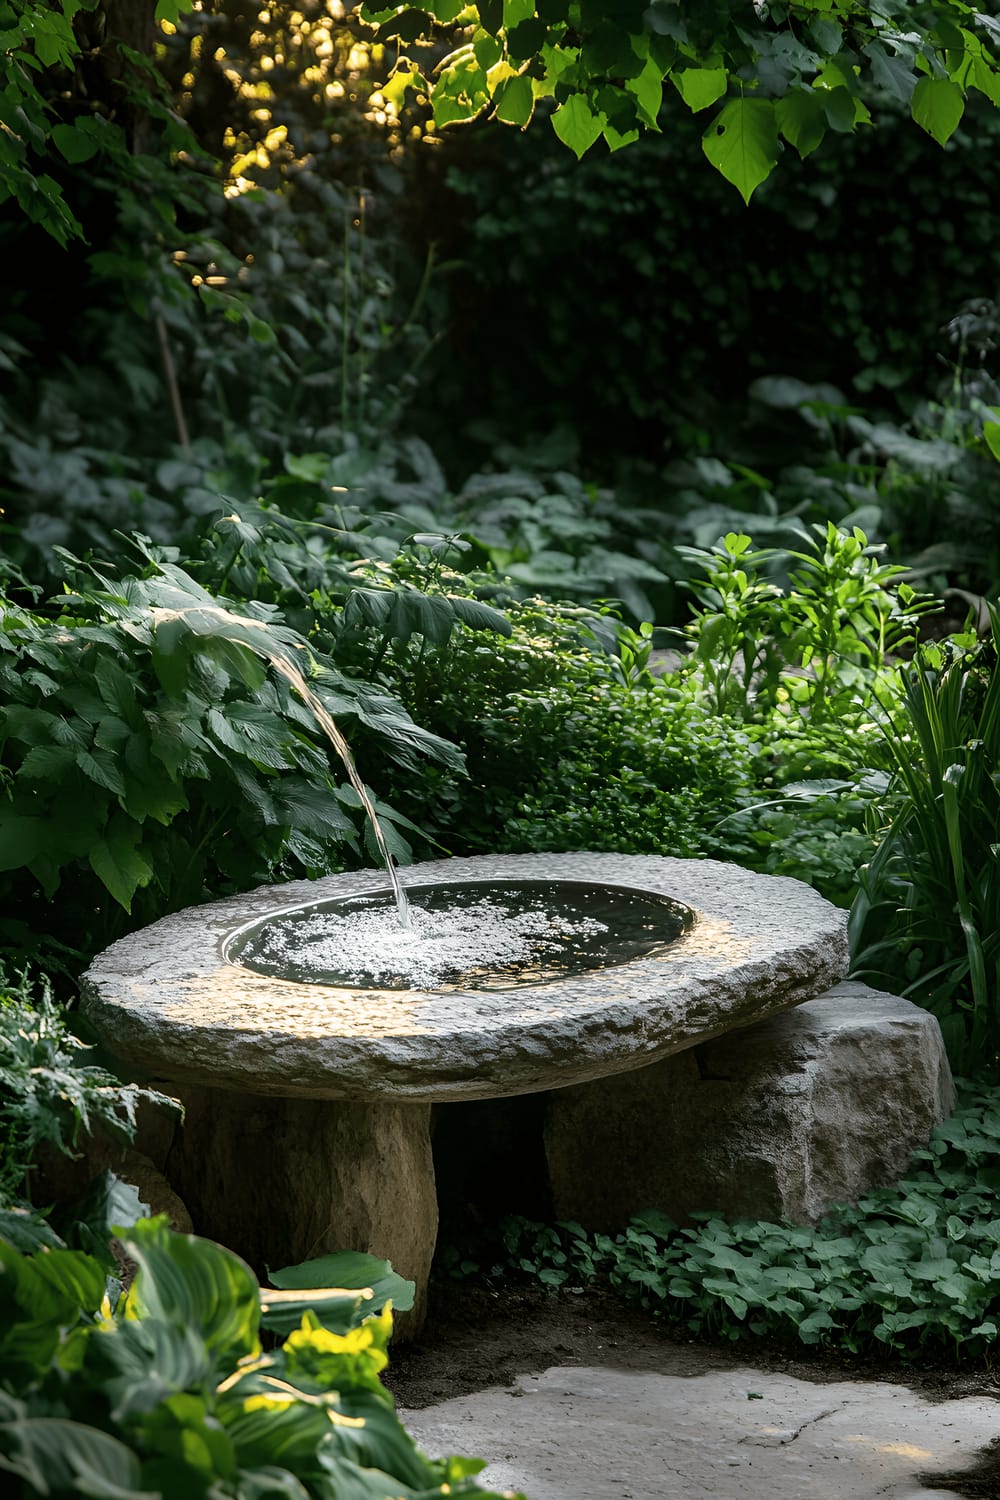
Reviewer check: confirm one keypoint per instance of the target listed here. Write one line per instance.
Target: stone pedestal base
(780, 1120)
(283, 1180)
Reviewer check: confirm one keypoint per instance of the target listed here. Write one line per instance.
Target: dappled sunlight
(897, 1449)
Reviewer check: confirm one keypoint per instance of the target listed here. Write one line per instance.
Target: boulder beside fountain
(308, 1105)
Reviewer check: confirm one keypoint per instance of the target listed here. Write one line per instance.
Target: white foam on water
(371, 944)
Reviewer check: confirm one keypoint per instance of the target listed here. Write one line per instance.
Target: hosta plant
(171, 1393)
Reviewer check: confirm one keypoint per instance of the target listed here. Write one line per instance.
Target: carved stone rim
(167, 1000)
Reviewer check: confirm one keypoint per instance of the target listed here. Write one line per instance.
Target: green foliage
(51, 1090)
(47, 127)
(927, 917)
(843, 613)
(149, 759)
(913, 1269)
(842, 274)
(794, 74)
(173, 1396)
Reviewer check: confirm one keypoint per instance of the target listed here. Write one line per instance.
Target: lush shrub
(913, 1269)
(149, 760)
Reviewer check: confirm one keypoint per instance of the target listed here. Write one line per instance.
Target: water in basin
(469, 935)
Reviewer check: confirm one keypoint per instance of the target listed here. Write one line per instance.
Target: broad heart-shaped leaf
(937, 106)
(801, 119)
(991, 432)
(194, 1283)
(742, 143)
(576, 125)
(514, 101)
(700, 87)
(75, 145)
(647, 87)
(891, 71)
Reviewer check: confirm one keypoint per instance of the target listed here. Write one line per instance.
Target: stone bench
(309, 1106)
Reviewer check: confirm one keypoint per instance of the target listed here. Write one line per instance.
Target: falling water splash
(328, 724)
(207, 618)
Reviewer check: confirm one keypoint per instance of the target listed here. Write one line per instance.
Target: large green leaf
(349, 1268)
(477, 615)
(118, 863)
(41, 1296)
(647, 87)
(802, 119)
(70, 1458)
(338, 1308)
(991, 432)
(700, 87)
(742, 143)
(194, 1283)
(141, 1362)
(25, 1231)
(515, 101)
(576, 125)
(347, 1271)
(937, 106)
(275, 1427)
(75, 145)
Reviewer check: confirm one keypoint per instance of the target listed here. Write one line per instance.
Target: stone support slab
(284, 1180)
(778, 1120)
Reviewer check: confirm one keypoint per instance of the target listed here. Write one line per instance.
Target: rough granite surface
(167, 999)
(779, 1121)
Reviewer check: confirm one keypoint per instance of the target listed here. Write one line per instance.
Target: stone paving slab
(601, 1434)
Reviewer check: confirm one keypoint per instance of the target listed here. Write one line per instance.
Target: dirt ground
(475, 1339)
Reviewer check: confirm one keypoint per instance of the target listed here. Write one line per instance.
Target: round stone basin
(178, 1000)
(462, 935)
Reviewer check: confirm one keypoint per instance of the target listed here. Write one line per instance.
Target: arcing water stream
(328, 724)
(255, 635)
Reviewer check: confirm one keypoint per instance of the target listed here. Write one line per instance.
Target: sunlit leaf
(576, 125)
(742, 143)
(514, 104)
(700, 87)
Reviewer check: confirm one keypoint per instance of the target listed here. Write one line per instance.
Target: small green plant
(51, 1090)
(736, 629)
(912, 1269)
(171, 1394)
(822, 646)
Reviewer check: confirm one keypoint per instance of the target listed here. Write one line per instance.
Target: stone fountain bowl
(175, 1000)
